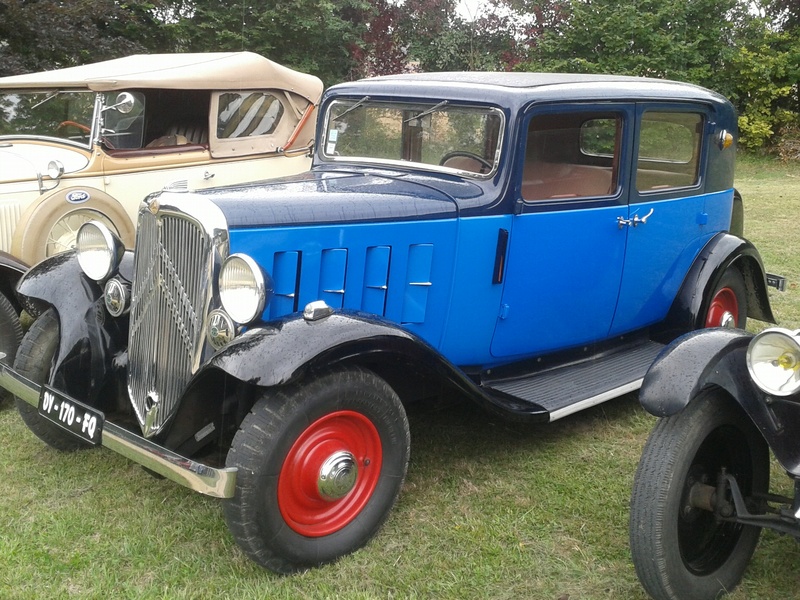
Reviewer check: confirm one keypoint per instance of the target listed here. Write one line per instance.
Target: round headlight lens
(242, 288)
(99, 250)
(773, 359)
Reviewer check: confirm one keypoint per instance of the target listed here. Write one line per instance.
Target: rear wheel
(320, 467)
(680, 550)
(34, 360)
(728, 304)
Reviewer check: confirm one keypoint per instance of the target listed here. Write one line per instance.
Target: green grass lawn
(489, 509)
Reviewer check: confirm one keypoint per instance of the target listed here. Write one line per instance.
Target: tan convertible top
(201, 71)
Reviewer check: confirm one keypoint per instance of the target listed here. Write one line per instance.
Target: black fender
(717, 358)
(721, 252)
(89, 337)
(290, 349)
(11, 270)
(286, 350)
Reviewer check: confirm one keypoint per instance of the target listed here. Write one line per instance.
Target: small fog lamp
(773, 359)
(99, 250)
(116, 297)
(220, 330)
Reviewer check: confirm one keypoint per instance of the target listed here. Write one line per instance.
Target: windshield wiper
(425, 113)
(47, 99)
(351, 109)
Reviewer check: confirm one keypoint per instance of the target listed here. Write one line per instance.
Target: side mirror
(123, 104)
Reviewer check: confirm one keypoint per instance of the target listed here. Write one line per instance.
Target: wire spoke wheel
(64, 232)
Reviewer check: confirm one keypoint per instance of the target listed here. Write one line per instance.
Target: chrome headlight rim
(772, 353)
(234, 287)
(99, 250)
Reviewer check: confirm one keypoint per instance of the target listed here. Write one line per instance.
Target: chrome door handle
(635, 221)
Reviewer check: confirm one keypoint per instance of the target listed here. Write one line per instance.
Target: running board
(565, 390)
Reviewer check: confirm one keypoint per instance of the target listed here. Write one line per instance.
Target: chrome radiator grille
(171, 292)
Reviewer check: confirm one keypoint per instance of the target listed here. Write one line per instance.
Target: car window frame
(702, 108)
(626, 109)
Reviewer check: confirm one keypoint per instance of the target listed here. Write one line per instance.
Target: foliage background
(748, 50)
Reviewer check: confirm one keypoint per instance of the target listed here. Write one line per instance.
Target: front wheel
(10, 337)
(680, 550)
(320, 467)
(34, 360)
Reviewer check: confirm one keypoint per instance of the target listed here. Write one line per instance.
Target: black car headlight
(773, 359)
(243, 288)
(99, 250)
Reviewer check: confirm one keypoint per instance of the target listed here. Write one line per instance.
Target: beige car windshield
(65, 115)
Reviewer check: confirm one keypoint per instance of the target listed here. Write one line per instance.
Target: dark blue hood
(321, 196)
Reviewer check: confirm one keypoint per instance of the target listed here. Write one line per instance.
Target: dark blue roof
(509, 89)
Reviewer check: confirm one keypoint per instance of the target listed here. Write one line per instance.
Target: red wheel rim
(304, 508)
(723, 304)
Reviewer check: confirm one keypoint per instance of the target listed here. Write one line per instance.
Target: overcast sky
(468, 8)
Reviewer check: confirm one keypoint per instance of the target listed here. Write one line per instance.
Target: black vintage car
(701, 492)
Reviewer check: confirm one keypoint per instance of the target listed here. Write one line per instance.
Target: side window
(246, 114)
(124, 129)
(669, 150)
(572, 155)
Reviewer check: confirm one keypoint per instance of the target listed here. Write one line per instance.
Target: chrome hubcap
(728, 320)
(337, 476)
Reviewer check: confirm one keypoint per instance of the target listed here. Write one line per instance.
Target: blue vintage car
(531, 240)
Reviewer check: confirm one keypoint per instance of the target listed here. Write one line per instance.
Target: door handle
(635, 221)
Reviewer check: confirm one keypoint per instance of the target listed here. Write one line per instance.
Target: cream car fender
(49, 225)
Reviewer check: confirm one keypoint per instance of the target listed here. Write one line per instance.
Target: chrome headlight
(99, 250)
(773, 359)
(243, 288)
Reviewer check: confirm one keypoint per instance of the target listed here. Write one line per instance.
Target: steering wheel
(80, 126)
(485, 165)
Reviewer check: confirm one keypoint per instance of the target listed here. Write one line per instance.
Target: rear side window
(245, 114)
(572, 155)
(669, 150)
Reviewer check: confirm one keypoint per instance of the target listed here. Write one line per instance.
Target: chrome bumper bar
(201, 478)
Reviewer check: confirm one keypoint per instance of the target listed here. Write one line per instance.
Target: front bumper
(219, 483)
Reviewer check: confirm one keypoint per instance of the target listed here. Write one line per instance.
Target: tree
(683, 39)
(50, 34)
(313, 36)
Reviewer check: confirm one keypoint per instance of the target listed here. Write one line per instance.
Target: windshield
(65, 115)
(437, 134)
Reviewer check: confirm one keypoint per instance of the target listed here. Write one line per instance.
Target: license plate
(77, 418)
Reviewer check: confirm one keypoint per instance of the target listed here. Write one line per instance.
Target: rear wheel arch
(690, 306)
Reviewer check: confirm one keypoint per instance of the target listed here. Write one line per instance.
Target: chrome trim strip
(595, 400)
(219, 483)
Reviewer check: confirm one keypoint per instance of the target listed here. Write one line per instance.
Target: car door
(566, 248)
(671, 217)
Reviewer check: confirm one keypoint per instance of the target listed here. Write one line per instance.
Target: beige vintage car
(90, 142)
